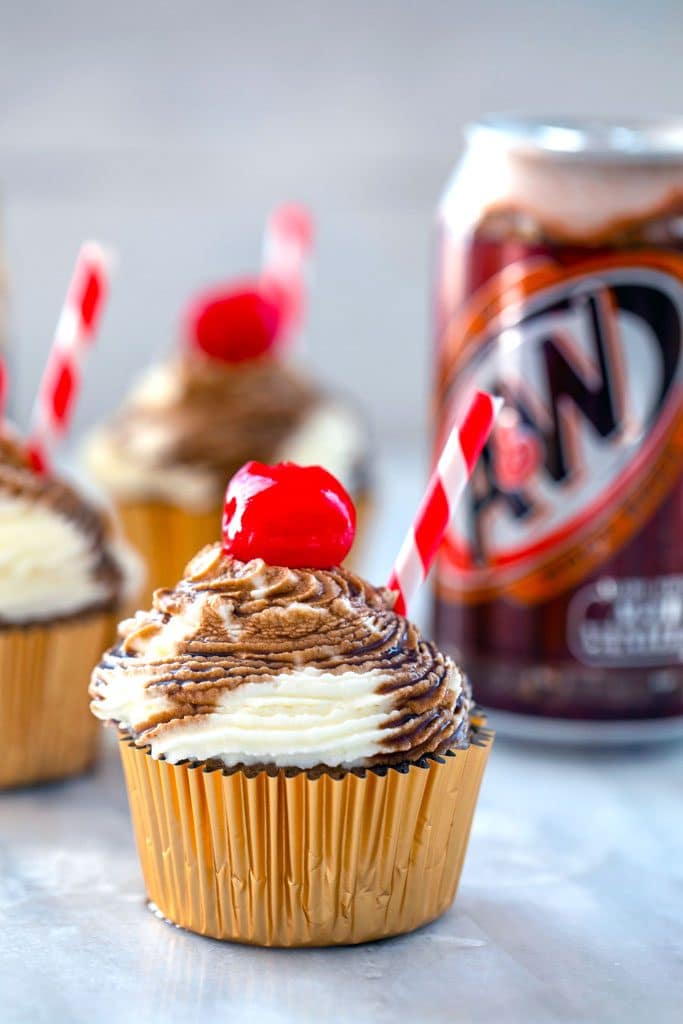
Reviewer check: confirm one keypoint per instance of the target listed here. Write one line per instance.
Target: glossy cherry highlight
(298, 516)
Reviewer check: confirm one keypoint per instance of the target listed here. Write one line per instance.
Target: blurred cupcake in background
(65, 574)
(64, 580)
(231, 392)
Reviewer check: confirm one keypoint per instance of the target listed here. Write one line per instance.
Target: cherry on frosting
(235, 324)
(298, 516)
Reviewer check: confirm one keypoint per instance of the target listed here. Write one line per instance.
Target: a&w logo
(589, 440)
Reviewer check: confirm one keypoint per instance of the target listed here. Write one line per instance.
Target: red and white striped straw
(445, 487)
(75, 333)
(286, 253)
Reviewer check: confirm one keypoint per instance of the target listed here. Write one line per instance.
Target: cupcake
(302, 764)
(231, 392)
(64, 578)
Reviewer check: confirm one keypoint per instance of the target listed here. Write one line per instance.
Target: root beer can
(560, 287)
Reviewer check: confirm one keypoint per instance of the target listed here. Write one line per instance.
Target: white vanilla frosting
(47, 565)
(305, 717)
(332, 435)
(59, 555)
(126, 479)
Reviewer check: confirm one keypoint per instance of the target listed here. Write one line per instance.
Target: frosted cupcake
(302, 765)
(64, 577)
(230, 393)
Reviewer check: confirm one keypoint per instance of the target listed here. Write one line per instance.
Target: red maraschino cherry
(235, 324)
(246, 318)
(298, 516)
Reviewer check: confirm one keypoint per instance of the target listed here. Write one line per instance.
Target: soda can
(559, 286)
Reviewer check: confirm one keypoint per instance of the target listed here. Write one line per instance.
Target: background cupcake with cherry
(65, 573)
(231, 392)
(302, 764)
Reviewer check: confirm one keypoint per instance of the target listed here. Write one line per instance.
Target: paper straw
(75, 333)
(287, 249)
(445, 487)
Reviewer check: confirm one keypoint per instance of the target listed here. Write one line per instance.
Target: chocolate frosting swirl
(217, 417)
(231, 623)
(12, 452)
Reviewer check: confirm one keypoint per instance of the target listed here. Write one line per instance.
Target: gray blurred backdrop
(169, 130)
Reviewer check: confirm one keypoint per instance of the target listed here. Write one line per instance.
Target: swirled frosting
(59, 555)
(192, 422)
(247, 663)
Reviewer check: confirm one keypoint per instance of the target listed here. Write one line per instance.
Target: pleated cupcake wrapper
(274, 860)
(46, 728)
(168, 537)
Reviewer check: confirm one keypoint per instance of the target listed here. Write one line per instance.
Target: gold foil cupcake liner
(288, 860)
(168, 536)
(46, 728)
